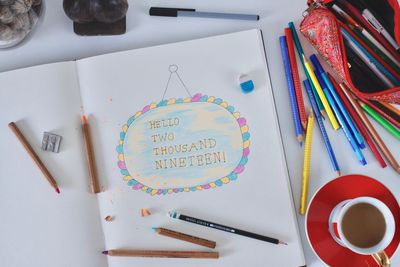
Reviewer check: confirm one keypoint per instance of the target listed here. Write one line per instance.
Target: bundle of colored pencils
(336, 101)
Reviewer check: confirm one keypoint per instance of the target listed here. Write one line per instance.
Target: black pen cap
(167, 11)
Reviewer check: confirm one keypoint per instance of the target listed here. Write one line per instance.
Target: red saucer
(321, 205)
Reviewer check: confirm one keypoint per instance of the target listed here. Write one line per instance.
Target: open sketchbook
(171, 131)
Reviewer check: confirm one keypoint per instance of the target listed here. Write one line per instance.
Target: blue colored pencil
(373, 60)
(292, 94)
(342, 108)
(321, 127)
(343, 124)
(300, 52)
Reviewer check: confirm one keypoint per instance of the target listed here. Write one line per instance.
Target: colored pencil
(28, 148)
(296, 78)
(300, 52)
(161, 254)
(292, 94)
(90, 155)
(346, 130)
(370, 61)
(321, 95)
(390, 107)
(371, 129)
(337, 100)
(185, 237)
(390, 116)
(378, 118)
(178, 216)
(358, 29)
(322, 128)
(358, 122)
(306, 163)
(374, 48)
(357, 15)
(382, 66)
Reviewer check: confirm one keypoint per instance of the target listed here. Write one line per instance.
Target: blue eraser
(246, 84)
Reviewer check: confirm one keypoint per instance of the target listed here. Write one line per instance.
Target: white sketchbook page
(39, 227)
(115, 86)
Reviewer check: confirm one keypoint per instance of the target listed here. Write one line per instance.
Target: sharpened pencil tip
(105, 252)
(58, 190)
(338, 173)
(154, 229)
(83, 119)
(283, 243)
(363, 162)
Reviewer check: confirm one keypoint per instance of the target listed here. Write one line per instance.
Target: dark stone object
(97, 17)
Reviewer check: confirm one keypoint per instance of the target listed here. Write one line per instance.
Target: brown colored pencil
(90, 155)
(34, 156)
(185, 237)
(378, 140)
(161, 254)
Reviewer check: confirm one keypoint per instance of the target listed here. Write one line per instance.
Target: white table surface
(55, 41)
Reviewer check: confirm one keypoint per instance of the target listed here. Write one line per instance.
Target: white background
(55, 41)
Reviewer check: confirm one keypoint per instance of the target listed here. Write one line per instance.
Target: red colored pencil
(358, 122)
(356, 14)
(296, 78)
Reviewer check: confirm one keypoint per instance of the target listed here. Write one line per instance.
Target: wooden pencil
(386, 152)
(90, 155)
(185, 237)
(306, 164)
(296, 78)
(390, 107)
(14, 128)
(358, 122)
(378, 118)
(162, 254)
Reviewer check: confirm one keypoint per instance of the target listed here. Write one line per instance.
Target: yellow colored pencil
(306, 165)
(321, 95)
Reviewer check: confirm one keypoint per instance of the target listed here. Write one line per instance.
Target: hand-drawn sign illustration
(182, 145)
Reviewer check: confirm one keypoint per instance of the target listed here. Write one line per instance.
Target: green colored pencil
(300, 52)
(389, 127)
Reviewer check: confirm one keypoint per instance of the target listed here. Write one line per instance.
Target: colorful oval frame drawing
(183, 145)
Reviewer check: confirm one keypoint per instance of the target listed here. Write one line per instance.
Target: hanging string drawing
(183, 144)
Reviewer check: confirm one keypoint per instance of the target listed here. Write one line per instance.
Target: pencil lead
(283, 243)
(300, 138)
(338, 173)
(58, 190)
(105, 252)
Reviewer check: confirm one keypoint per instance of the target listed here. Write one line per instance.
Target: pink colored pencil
(296, 78)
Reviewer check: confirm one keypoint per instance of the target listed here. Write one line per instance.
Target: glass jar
(18, 19)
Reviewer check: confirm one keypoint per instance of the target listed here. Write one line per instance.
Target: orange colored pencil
(390, 107)
(296, 78)
(90, 155)
(34, 156)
